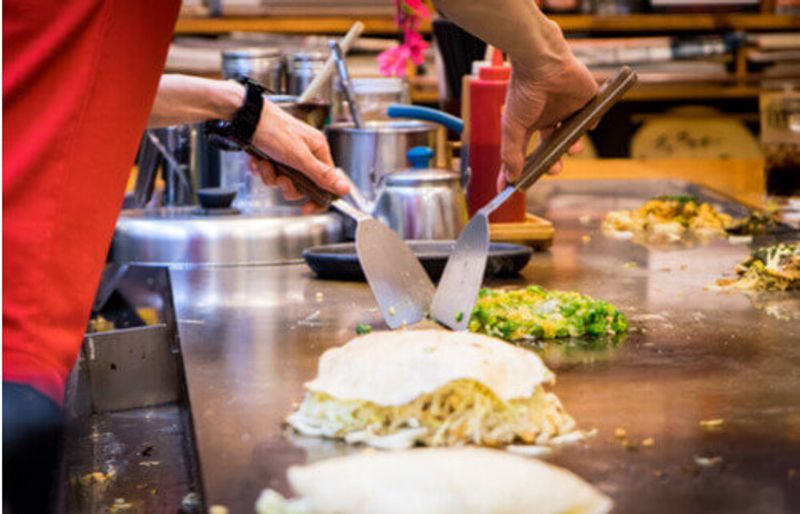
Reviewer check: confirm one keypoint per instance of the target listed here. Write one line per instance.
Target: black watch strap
(237, 133)
(246, 118)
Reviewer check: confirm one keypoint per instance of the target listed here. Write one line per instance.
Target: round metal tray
(340, 262)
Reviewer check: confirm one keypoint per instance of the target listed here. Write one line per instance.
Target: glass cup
(780, 141)
(373, 95)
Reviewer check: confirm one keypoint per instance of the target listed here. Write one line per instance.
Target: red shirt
(79, 79)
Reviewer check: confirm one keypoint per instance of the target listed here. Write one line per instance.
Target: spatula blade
(463, 275)
(400, 284)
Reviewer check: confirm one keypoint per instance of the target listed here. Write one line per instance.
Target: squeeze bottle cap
(497, 71)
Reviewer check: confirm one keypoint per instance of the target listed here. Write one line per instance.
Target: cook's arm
(183, 99)
(517, 27)
(547, 84)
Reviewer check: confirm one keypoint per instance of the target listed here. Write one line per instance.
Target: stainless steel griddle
(251, 336)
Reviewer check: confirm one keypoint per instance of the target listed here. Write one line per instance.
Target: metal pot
(264, 65)
(379, 149)
(301, 68)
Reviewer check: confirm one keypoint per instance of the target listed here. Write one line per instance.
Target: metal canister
(301, 68)
(263, 64)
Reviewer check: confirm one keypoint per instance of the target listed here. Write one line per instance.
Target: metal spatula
(458, 288)
(400, 284)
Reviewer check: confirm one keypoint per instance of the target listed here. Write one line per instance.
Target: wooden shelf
(634, 23)
(676, 22)
(288, 25)
(691, 91)
(569, 23)
(741, 178)
(644, 92)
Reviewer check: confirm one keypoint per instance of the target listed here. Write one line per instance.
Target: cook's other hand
(294, 143)
(184, 99)
(547, 83)
(537, 101)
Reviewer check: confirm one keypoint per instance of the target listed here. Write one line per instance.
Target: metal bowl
(189, 235)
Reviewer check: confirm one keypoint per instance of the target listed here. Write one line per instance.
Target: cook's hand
(539, 100)
(294, 143)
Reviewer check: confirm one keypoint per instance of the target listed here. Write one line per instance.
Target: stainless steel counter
(251, 336)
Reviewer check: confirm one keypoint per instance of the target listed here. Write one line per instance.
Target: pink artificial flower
(392, 62)
(417, 8)
(416, 47)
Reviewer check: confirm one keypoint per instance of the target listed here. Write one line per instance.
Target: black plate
(339, 261)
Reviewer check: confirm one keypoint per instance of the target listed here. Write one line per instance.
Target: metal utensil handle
(302, 183)
(347, 86)
(167, 155)
(571, 129)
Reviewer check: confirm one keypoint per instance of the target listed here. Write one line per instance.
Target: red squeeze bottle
(486, 100)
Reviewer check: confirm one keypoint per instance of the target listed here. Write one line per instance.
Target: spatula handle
(302, 183)
(571, 129)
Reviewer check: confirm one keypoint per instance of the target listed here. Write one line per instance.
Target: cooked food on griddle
(434, 388)
(770, 268)
(434, 481)
(534, 313)
(757, 222)
(670, 216)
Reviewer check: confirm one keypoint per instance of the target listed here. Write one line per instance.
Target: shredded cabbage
(460, 412)
(771, 268)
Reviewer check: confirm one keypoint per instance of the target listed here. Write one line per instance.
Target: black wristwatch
(230, 135)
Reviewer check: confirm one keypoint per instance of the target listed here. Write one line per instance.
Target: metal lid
(283, 99)
(308, 57)
(251, 52)
(191, 236)
(420, 172)
(418, 177)
(379, 85)
(385, 126)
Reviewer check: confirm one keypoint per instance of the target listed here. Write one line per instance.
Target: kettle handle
(427, 114)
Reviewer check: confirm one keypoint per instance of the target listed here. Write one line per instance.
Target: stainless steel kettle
(378, 149)
(420, 202)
